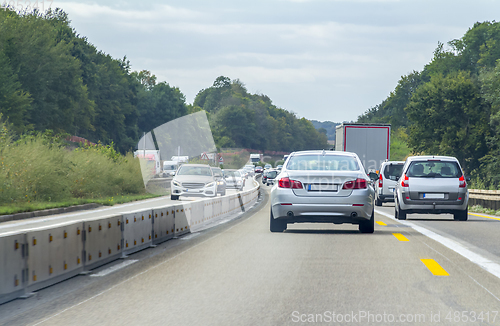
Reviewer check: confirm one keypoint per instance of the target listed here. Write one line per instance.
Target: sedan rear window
(392, 171)
(323, 163)
(434, 169)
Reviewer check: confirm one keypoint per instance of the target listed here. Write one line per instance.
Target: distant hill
(329, 126)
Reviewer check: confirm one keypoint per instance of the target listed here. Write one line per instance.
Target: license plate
(391, 189)
(434, 196)
(324, 187)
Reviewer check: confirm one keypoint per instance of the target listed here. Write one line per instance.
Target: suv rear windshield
(434, 169)
(322, 163)
(391, 171)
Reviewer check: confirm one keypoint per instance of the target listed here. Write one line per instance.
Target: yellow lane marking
(400, 237)
(493, 218)
(434, 267)
(381, 223)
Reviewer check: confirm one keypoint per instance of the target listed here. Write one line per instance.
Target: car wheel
(461, 215)
(174, 197)
(378, 202)
(277, 225)
(368, 226)
(401, 214)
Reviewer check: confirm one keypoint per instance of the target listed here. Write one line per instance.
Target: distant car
(322, 187)
(432, 185)
(271, 176)
(258, 169)
(221, 182)
(244, 173)
(279, 167)
(264, 176)
(234, 179)
(250, 169)
(389, 172)
(268, 166)
(193, 180)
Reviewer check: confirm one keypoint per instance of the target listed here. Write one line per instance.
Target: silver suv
(384, 188)
(432, 185)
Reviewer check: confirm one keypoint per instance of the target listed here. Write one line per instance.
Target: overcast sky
(322, 59)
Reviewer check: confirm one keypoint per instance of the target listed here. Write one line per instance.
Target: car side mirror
(172, 174)
(467, 179)
(373, 176)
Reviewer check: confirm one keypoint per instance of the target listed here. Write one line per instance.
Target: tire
(378, 202)
(277, 225)
(401, 214)
(368, 226)
(174, 197)
(461, 215)
(267, 184)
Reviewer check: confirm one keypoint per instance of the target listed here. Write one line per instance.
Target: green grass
(481, 209)
(22, 207)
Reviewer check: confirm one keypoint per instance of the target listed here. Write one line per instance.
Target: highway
(239, 273)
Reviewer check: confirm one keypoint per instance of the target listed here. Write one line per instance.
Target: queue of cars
(333, 187)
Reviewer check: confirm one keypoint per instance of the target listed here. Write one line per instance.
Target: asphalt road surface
(239, 273)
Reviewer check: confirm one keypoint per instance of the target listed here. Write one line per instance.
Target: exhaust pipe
(354, 214)
(289, 214)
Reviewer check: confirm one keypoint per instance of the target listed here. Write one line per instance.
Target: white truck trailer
(369, 140)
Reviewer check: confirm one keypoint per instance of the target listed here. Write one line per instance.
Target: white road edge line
(114, 268)
(477, 259)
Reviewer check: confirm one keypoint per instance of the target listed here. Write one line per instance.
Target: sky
(321, 59)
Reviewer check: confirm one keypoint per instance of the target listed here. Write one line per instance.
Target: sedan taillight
(291, 184)
(405, 183)
(355, 184)
(461, 182)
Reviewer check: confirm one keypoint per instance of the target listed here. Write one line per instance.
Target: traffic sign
(204, 156)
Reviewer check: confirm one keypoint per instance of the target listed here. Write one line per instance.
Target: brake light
(380, 181)
(355, 184)
(405, 183)
(287, 183)
(461, 182)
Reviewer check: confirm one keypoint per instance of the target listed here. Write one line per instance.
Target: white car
(389, 172)
(193, 180)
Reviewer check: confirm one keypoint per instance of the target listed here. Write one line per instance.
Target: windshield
(323, 163)
(434, 169)
(195, 170)
(392, 171)
(234, 174)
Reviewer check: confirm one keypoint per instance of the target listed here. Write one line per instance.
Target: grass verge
(22, 207)
(481, 209)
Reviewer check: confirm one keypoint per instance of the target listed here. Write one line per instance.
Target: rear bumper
(432, 206)
(294, 209)
(386, 198)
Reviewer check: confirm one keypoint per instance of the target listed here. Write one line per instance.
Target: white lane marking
(477, 259)
(189, 237)
(114, 268)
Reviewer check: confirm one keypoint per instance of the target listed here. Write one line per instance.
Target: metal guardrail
(486, 198)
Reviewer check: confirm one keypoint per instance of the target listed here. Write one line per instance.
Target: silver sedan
(322, 187)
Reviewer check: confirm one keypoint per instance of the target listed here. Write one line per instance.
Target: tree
(449, 117)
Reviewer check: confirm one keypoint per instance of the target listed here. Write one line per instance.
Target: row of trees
(241, 119)
(52, 78)
(452, 106)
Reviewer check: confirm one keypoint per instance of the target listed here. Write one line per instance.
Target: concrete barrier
(33, 258)
(12, 266)
(102, 241)
(137, 231)
(54, 254)
(163, 224)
